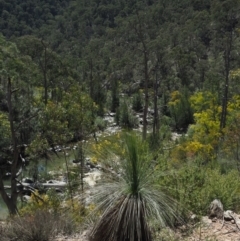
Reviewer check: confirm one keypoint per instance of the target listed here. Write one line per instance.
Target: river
(53, 165)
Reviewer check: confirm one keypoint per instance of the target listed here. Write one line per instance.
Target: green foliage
(21, 18)
(137, 102)
(79, 111)
(196, 186)
(126, 117)
(229, 146)
(129, 197)
(56, 204)
(115, 95)
(204, 136)
(100, 123)
(68, 48)
(180, 109)
(4, 130)
(49, 201)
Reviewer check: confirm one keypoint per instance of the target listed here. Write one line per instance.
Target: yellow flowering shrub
(49, 201)
(53, 203)
(204, 136)
(105, 147)
(175, 97)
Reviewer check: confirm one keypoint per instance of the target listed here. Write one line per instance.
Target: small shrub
(75, 210)
(137, 102)
(41, 226)
(156, 141)
(166, 234)
(127, 119)
(56, 205)
(49, 201)
(196, 186)
(117, 116)
(100, 123)
(180, 109)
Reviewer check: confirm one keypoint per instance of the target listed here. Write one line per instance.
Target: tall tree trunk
(140, 33)
(11, 200)
(90, 62)
(45, 77)
(227, 59)
(156, 116)
(146, 97)
(43, 66)
(11, 205)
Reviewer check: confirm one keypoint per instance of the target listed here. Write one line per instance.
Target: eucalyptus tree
(94, 64)
(225, 23)
(54, 73)
(14, 72)
(136, 36)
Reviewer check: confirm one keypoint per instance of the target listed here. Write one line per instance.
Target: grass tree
(129, 198)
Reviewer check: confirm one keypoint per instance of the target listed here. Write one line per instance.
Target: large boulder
(216, 209)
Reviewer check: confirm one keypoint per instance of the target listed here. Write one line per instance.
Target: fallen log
(47, 185)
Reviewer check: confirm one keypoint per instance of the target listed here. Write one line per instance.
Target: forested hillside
(171, 45)
(157, 66)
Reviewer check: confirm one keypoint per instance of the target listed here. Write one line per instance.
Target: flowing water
(52, 165)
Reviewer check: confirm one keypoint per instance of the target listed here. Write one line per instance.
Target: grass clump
(128, 197)
(40, 226)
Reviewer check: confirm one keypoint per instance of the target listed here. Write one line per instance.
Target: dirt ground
(207, 230)
(217, 230)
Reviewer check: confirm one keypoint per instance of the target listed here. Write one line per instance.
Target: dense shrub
(196, 186)
(126, 117)
(52, 202)
(180, 109)
(40, 226)
(137, 102)
(100, 124)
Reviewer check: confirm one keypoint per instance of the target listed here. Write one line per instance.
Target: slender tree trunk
(11, 205)
(138, 27)
(43, 66)
(69, 179)
(91, 78)
(146, 97)
(45, 77)
(82, 166)
(11, 199)
(227, 56)
(156, 116)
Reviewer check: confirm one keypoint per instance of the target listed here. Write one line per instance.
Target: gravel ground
(208, 229)
(75, 237)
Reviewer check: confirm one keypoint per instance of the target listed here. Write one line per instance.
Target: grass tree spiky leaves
(129, 198)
